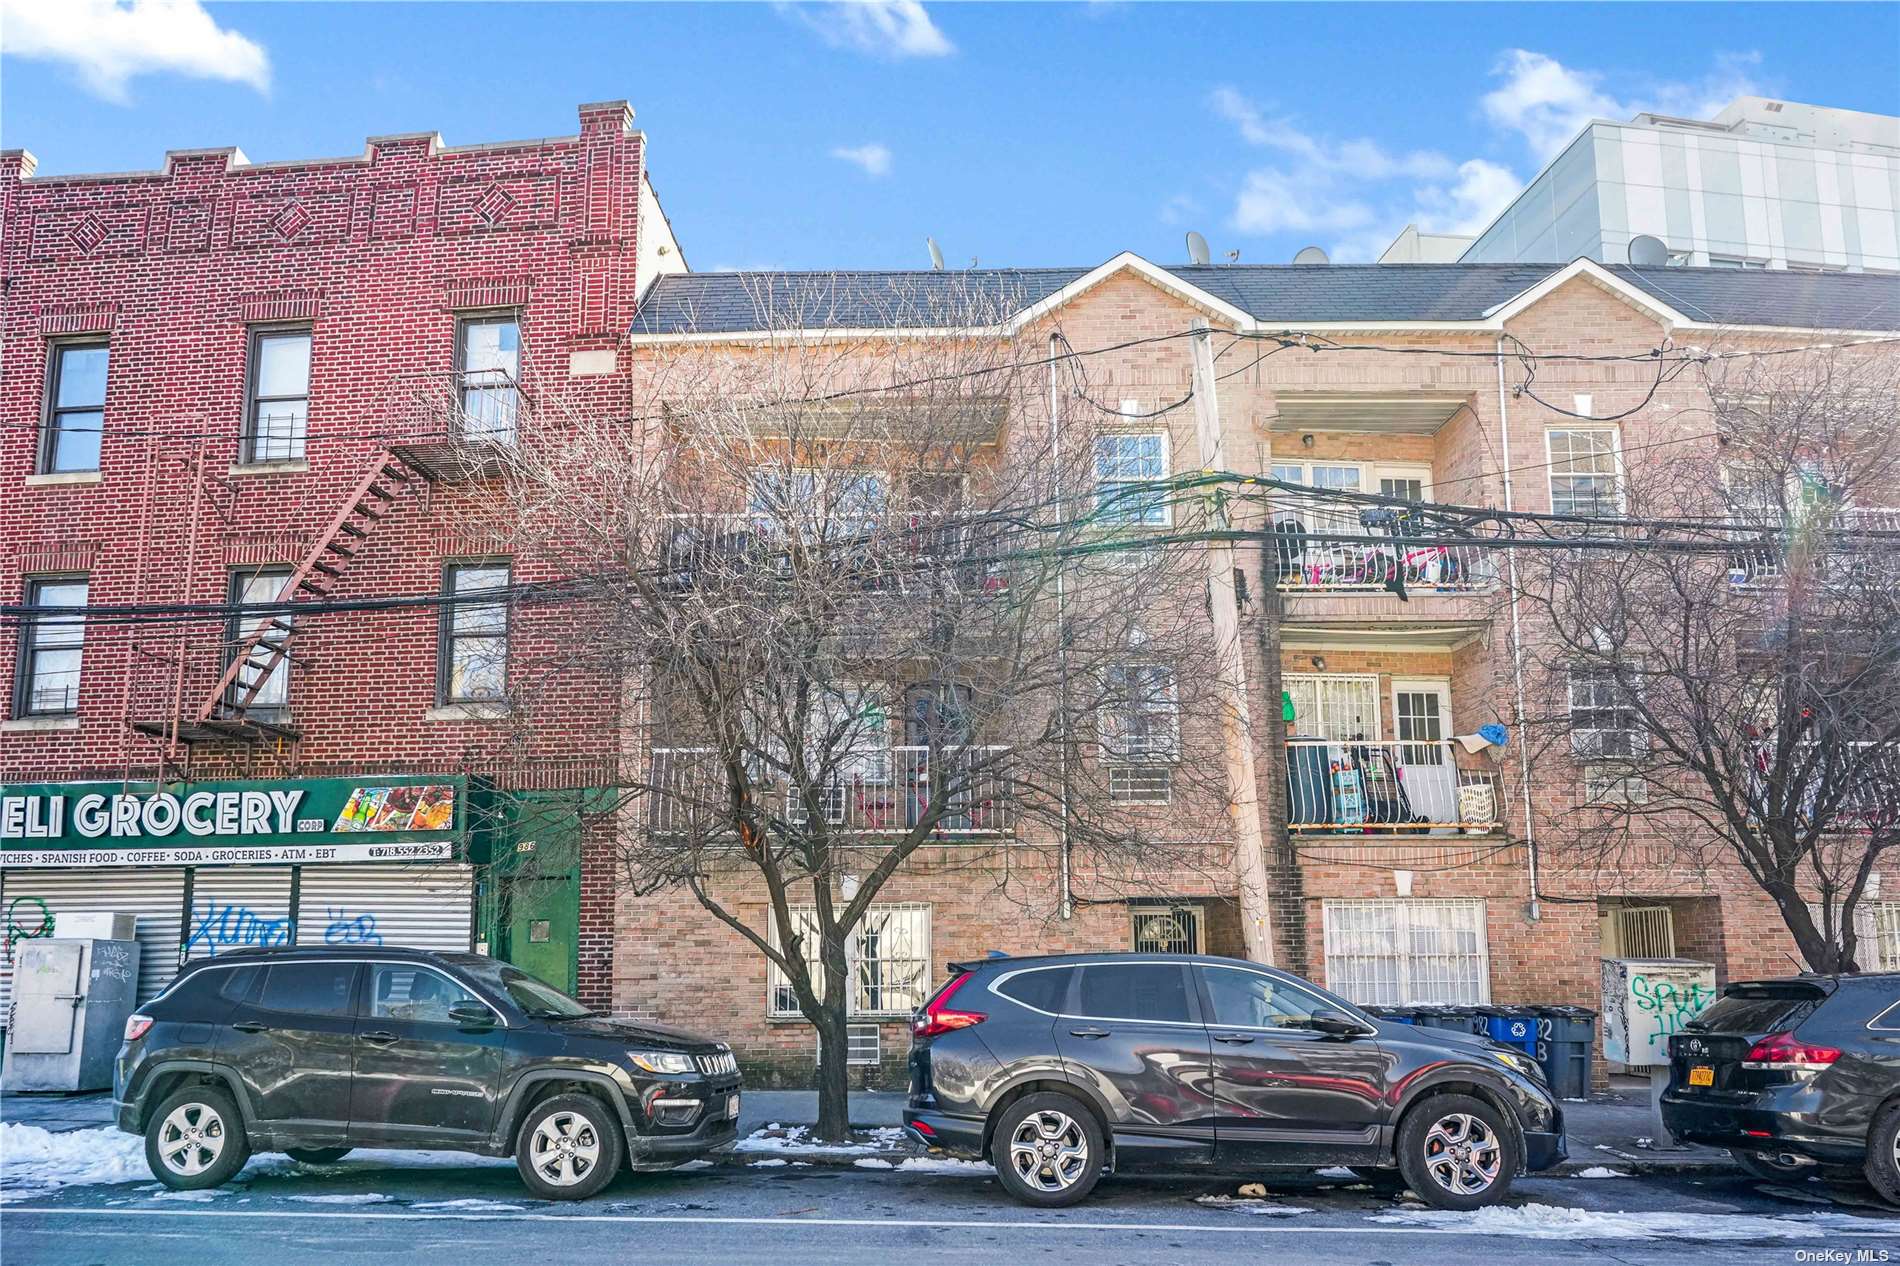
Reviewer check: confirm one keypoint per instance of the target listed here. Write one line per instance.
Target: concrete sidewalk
(1614, 1130)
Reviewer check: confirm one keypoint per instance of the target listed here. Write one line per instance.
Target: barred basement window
(1388, 953)
(1141, 784)
(887, 961)
(1166, 929)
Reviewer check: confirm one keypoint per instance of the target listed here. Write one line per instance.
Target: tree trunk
(834, 1100)
(1822, 955)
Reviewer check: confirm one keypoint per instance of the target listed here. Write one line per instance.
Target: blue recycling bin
(1513, 1026)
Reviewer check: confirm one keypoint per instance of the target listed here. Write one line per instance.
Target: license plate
(732, 1108)
(1701, 1075)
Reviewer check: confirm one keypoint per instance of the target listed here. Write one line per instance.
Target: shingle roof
(718, 303)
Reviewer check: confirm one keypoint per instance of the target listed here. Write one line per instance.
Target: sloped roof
(1294, 294)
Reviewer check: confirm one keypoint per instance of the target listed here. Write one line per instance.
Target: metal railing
(879, 791)
(900, 547)
(1760, 565)
(1387, 786)
(473, 407)
(1388, 556)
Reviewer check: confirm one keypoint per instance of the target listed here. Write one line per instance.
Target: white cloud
(1179, 209)
(1276, 201)
(110, 42)
(875, 159)
(1358, 158)
(883, 28)
(1546, 102)
(1483, 189)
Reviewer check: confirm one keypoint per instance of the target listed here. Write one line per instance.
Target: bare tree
(868, 593)
(1727, 683)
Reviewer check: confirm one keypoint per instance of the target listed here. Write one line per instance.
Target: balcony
(456, 425)
(1389, 788)
(1386, 552)
(898, 552)
(1760, 566)
(883, 792)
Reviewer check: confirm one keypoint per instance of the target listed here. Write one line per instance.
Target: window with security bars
(1876, 933)
(1398, 952)
(1167, 929)
(1583, 470)
(887, 961)
(1603, 720)
(1338, 707)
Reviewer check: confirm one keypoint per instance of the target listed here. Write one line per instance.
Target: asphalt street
(784, 1213)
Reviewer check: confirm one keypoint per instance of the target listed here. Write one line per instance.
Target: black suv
(316, 1051)
(1794, 1073)
(1060, 1068)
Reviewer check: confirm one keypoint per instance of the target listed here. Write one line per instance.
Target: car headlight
(662, 1061)
(1520, 1063)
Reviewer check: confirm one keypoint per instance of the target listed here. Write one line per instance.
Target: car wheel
(316, 1155)
(569, 1147)
(1048, 1150)
(1456, 1152)
(1883, 1154)
(1768, 1168)
(195, 1139)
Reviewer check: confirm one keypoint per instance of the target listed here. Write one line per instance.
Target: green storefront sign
(303, 821)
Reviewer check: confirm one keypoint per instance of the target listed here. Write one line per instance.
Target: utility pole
(1250, 865)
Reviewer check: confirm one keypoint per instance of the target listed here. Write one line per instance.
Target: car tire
(1768, 1169)
(317, 1155)
(1457, 1152)
(1048, 1150)
(1883, 1154)
(569, 1147)
(195, 1139)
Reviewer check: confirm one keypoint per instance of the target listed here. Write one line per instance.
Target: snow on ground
(1334, 1171)
(471, 1206)
(872, 1162)
(796, 1139)
(768, 1164)
(944, 1165)
(1548, 1222)
(1251, 1204)
(361, 1197)
(1601, 1171)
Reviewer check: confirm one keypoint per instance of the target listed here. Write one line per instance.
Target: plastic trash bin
(1566, 1047)
(1514, 1026)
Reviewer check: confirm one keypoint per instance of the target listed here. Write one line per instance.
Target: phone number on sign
(408, 850)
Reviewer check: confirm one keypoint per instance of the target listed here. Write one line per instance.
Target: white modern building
(1764, 184)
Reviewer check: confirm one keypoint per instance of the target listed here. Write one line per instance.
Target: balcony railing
(1388, 787)
(896, 550)
(1760, 565)
(456, 424)
(1386, 554)
(884, 791)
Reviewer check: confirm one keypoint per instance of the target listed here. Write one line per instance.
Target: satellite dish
(1648, 252)
(936, 256)
(1197, 249)
(1311, 255)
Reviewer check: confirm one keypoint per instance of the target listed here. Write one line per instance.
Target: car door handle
(250, 1026)
(1089, 1033)
(1234, 1039)
(379, 1038)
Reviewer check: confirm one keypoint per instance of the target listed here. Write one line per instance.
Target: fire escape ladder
(257, 656)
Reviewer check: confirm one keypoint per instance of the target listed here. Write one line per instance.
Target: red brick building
(227, 381)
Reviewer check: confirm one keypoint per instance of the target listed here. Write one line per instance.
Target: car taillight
(1781, 1051)
(135, 1026)
(939, 1017)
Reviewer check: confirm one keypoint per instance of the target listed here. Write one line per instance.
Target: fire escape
(441, 430)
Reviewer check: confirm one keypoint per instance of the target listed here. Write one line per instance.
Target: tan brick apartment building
(1437, 900)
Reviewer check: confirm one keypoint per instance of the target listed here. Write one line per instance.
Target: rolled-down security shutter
(407, 906)
(237, 907)
(155, 895)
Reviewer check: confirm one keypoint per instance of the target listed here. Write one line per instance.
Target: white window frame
(50, 635)
(1127, 513)
(1615, 473)
(916, 961)
(1586, 742)
(1406, 983)
(1320, 681)
(1166, 750)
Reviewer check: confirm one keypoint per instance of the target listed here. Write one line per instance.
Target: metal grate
(1140, 784)
(861, 1044)
(1642, 932)
(1382, 953)
(1167, 929)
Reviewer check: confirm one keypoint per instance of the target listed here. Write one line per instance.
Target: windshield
(535, 997)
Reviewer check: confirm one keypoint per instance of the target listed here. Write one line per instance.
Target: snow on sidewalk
(1548, 1222)
(796, 1140)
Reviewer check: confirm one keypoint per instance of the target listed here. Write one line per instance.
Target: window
(1583, 471)
(1603, 720)
(1139, 719)
(488, 356)
(1388, 953)
(309, 988)
(415, 993)
(1736, 261)
(279, 408)
(474, 667)
(258, 587)
(831, 505)
(1340, 708)
(1135, 991)
(75, 407)
(1124, 467)
(887, 961)
(1612, 785)
(50, 647)
(1249, 1000)
(1045, 990)
(1167, 929)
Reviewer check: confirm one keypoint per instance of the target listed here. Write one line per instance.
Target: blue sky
(835, 135)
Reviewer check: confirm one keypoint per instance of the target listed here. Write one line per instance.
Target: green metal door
(540, 923)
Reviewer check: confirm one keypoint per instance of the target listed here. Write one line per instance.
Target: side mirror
(472, 1015)
(1335, 1024)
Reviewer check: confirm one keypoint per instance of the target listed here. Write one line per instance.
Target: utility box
(70, 1003)
(94, 925)
(1646, 1001)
